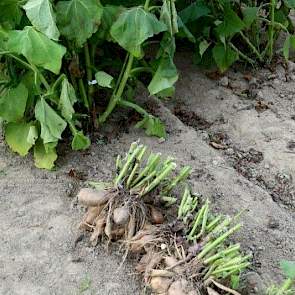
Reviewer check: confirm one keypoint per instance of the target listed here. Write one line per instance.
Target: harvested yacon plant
(187, 255)
(127, 207)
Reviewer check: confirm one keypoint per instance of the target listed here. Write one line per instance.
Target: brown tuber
(160, 285)
(121, 215)
(93, 197)
(156, 216)
(181, 287)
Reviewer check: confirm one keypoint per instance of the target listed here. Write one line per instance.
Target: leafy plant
(227, 31)
(287, 288)
(63, 68)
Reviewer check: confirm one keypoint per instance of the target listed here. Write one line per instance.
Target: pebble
(292, 77)
(276, 81)
(224, 81)
(259, 95)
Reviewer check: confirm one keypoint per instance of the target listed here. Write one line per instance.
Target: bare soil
(238, 134)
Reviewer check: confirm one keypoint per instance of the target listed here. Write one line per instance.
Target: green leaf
(288, 268)
(288, 44)
(79, 19)
(37, 48)
(153, 126)
(109, 16)
(184, 32)
(290, 3)
(20, 137)
(44, 157)
(165, 77)
(224, 56)
(169, 16)
(67, 100)
(13, 103)
(250, 14)
(203, 46)
(194, 11)
(52, 125)
(231, 24)
(42, 17)
(103, 79)
(133, 27)
(11, 13)
(80, 141)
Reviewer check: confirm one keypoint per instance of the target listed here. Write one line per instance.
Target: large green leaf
(224, 56)
(13, 103)
(79, 19)
(42, 16)
(80, 141)
(153, 126)
(194, 11)
(21, 136)
(250, 14)
(37, 48)
(52, 125)
(165, 76)
(288, 268)
(44, 156)
(10, 12)
(133, 27)
(231, 24)
(67, 100)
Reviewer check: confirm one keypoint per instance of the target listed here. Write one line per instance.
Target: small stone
(259, 95)
(276, 81)
(273, 223)
(271, 77)
(292, 77)
(224, 81)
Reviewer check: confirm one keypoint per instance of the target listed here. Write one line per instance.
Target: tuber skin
(160, 285)
(156, 216)
(121, 215)
(89, 218)
(92, 197)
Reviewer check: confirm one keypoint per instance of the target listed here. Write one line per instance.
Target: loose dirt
(237, 133)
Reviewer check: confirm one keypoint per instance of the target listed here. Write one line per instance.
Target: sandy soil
(238, 134)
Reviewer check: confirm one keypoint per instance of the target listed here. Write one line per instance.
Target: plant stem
(219, 240)
(251, 46)
(31, 67)
(83, 93)
(134, 106)
(240, 53)
(287, 284)
(58, 81)
(271, 28)
(88, 72)
(117, 94)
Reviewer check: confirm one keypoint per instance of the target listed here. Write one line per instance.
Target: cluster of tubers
(185, 256)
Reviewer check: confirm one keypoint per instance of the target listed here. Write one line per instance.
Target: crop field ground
(237, 132)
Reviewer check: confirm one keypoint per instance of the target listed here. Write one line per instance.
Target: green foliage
(78, 19)
(247, 32)
(37, 48)
(57, 57)
(61, 59)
